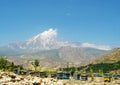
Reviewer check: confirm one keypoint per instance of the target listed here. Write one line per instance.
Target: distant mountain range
(49, 51)
(41, 42)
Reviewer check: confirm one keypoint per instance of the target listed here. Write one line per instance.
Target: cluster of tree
(35, 63)
(3, 63)
(105, 67)
(69, 69)
(6, 65)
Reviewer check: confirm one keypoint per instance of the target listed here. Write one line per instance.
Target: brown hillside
(111, 57)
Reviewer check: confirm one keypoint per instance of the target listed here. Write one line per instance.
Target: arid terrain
(8, 78)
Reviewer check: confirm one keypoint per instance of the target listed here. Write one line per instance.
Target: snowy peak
(44, 37)
(45, 40)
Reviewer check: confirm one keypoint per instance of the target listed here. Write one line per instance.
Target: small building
(97, 75)
(53, 75)
(39, 74)
(116, 76)
(84, 77)
(63, 75)
(107, 77)
(76, 76)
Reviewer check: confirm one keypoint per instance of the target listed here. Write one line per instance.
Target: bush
(3, 63)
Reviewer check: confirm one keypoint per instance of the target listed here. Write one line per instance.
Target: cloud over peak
(100, 47)
(47, 39)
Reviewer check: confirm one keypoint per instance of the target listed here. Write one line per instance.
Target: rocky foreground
(8, 78)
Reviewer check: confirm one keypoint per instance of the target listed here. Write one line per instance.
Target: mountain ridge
(47, 48)
(111, 57)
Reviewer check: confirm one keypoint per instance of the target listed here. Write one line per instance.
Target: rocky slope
(111, 57)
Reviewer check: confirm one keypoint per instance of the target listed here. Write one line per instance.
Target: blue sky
(93, 21)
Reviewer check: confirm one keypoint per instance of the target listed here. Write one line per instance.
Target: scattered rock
(7, 78)
(13, 80)
(12, 76)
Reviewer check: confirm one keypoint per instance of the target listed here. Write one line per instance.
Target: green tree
(35, 64)
(3, 63)
(67, 69)
(92, 74)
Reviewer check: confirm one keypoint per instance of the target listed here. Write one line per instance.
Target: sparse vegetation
(104, 67)
(3, 63)
(8, 66)
(35, 64)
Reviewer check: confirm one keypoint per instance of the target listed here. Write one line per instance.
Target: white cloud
(100, 47)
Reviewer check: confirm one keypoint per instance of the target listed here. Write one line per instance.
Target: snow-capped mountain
(45, 41)
(48, 49)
